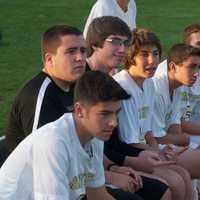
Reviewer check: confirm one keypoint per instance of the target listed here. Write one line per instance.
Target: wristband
(110, 165)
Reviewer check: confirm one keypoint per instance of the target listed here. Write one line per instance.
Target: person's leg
(190, 160)
(154, 189)
(122, 195)
(175, 181)
(187, 179)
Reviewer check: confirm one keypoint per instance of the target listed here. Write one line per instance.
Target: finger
(166, 163)
(132, 186)
(182, 150)
(140, 181)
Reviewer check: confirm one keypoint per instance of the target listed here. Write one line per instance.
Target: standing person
(135, 117)
(64, 159)
(64, 57)
(107, 42)
(124, 9)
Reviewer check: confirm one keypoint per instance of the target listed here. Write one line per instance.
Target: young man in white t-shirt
(183, 64)
(124, 9)
(135, 117)
(190, 96)
(63, 159)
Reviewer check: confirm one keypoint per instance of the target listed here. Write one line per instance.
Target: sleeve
(99, 9)
(150, 101)
(159, 114)
(20, 120)
(50, 161)
(99, 179)
(175, 116)
(128, 123)
(114, 156)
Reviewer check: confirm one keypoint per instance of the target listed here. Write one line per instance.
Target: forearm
(190, 127)
(132, 162)
(141, 146)
(181, 139)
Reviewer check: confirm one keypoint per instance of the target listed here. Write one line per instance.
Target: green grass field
(23, 22)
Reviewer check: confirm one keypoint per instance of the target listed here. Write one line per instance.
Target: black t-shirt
(39, 101)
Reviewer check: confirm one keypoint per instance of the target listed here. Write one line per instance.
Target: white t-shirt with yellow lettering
(136, 113)
(52, 164)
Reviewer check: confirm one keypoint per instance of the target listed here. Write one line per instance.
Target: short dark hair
(101, 28)
(193, 28)
(95, 87)
(52, 37)
(141, 37)
(181, 52)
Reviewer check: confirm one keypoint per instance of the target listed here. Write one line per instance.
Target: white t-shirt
(52, 164)
(136, 113)
(161, 69)
(190, 96)
(111, 8)
(166, 111)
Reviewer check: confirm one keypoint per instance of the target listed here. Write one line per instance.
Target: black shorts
(122, 195)
(153, 189)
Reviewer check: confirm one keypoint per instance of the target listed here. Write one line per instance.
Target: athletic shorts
(153, 189)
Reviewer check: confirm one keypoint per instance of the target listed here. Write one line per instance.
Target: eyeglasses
(118, 42)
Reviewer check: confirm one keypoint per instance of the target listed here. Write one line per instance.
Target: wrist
(110, 166)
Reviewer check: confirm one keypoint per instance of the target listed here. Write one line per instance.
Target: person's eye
(70, 51)
(144, 55)
(156, 53)
(83, 50)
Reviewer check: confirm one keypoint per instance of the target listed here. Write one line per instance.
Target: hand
(125, 182)
(129, 172)
(151, 159)
(171, 152)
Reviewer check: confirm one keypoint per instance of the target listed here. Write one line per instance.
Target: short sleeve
(99, 179)
(50, 161)
(128, 123)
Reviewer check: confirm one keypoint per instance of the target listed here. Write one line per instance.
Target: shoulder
(33, 86)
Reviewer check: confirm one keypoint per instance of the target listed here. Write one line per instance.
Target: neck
(96, 64)
(123, 4)
(82, 133)
(63, 85)
(136, 77)
(173, 84)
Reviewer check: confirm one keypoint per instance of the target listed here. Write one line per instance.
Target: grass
(23, 22)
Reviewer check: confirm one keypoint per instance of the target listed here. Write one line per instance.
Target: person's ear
(95, 48)
(78, 109)
(48, 57)
(172, 66)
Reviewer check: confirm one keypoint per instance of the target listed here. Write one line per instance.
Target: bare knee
(175, 182)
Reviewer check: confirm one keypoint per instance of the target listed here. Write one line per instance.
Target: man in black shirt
(49, 94)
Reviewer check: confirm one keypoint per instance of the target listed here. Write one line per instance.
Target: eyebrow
(75, 48)
(148, 51)
(115, 37)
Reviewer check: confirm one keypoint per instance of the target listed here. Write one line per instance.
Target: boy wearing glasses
(107, 41)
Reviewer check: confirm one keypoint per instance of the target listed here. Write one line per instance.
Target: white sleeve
(50, 162)
(99, 179)
(99, 9)
(176, 114)
(159, 114)
(128, 122)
